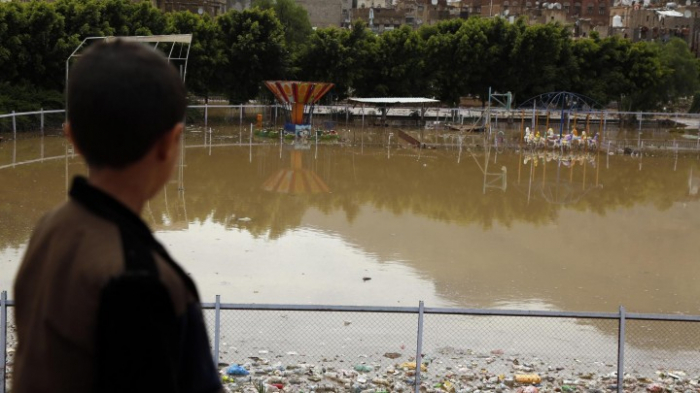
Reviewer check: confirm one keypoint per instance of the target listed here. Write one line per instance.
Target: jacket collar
(105, 206)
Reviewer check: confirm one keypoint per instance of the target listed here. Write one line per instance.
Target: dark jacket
(101, 306)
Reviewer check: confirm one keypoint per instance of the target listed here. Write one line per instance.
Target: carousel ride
(567, 122)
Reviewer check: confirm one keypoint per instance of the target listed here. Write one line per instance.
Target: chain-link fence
(352, 348)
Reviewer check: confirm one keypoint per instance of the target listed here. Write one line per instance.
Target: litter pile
(437, 375)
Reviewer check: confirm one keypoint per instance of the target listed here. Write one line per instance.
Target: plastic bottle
(528, 378)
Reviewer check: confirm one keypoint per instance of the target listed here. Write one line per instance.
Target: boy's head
(121, 98)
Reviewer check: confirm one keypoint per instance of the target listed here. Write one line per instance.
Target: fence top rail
(663, 317)
(445, 311)
(32, 113)
(520, 313)
(299, 307)
(202, 106)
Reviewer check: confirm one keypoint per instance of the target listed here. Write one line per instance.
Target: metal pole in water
(605, 124)
(640, 122)
(639, 138)
(675, 164)
(206, 115)
(363, 115)
(250, 144)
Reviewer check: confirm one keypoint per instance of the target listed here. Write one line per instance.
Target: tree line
(233, 53)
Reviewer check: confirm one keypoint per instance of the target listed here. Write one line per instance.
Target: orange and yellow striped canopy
(294, 92)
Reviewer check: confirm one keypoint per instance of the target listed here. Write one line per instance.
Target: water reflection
(296, 179)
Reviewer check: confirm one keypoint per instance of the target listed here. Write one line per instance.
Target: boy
(100, 305)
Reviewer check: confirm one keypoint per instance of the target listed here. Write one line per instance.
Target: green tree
(680, 70)
(294, 19)
(127, 18)
(447, 60)
(325, 59)
(13, 30)
(83, 18)
(33, 46)
(540, 60)
(646, 74)
(602, 68)
(253, 47)
(206, 52)
(401, 68)
(363, 52)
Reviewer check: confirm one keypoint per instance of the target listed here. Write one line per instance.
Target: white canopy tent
(385, 102)
(395, 100)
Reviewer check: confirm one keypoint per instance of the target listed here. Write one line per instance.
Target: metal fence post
(206, 115)
(621, 351)
(419, 346)
(3, 338)
(41, 112)
(14, 126)
(217, 324)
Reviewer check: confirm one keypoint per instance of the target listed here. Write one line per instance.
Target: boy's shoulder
(73, 243)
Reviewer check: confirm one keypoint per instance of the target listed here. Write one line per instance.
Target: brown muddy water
(379, 223)
(310, 223)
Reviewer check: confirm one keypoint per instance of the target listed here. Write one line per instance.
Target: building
(643, 23)
(382, 15)
(325, 13)
(211, 7)
(593, 12)
(238, 5)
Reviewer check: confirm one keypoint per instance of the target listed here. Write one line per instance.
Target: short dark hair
(121, 97)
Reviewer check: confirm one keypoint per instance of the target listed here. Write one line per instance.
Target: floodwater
(372, 224)
(379, 223)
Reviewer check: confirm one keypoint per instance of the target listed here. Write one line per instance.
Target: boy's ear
(169, 142)
(68, 132)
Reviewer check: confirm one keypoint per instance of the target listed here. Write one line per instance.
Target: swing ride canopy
(295, 95)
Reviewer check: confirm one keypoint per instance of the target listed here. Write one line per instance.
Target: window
(567, 6)
(589, 9)
(577, 8)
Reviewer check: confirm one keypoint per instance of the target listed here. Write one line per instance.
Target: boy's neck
(131, 186)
